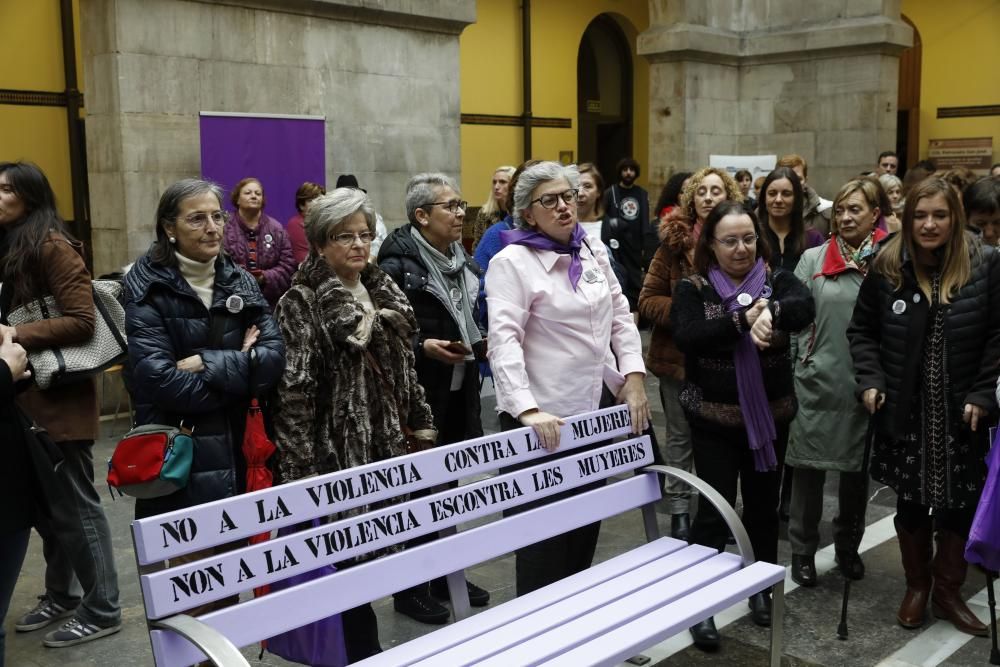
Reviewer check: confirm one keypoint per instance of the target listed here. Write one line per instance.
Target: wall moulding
(444, 16)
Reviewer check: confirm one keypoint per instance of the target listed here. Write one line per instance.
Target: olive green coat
(829, 430)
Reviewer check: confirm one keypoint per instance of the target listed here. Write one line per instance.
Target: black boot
(760, 609)
(680, 526)
(804, 570)
(705, 635)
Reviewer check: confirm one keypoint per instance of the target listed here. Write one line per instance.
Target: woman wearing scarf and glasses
(558, 321)
(829, 430)
(441, 281)
(732, 319)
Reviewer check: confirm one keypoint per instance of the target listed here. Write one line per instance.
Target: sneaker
(75, 631)
(45, 613)
(421, 607)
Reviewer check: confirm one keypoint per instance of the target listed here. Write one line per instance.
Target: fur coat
(333, 409)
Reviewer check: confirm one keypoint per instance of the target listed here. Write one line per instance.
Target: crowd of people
(791, 336)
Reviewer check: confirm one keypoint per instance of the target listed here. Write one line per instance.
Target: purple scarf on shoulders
(749, 377)
(539, 241)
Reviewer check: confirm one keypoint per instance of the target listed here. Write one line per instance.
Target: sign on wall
(975, 153)
(757, 165)
(282, 151)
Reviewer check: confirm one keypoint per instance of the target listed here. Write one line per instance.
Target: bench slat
(190, 529)
(562, 638)
(497, 616)
(608, 648)
(179, 588)
(272, 614)
(555, 616)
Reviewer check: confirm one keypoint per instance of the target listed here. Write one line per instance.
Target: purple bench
(597, 617)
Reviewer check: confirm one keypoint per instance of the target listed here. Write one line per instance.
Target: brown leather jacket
(670, 264)
(69, 412)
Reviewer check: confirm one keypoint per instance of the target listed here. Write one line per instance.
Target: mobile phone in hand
(457, 346)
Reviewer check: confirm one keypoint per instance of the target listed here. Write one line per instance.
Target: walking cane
(991, 596)
(869, 437)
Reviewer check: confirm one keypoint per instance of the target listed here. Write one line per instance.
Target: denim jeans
(15, 545)
(76, 541)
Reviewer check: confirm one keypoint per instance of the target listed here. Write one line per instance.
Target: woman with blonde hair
(925, 341)
(828, 432)
(495, 208)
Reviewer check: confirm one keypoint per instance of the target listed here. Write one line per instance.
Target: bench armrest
(729, 515)
(210, 641)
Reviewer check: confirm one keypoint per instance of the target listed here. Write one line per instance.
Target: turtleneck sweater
(199, 275)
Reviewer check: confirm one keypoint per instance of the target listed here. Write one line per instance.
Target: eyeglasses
(455, 205)
(347, 240)
(200, 219)
(730, 242)
(551, 200)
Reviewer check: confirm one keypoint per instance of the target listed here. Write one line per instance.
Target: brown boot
(915, 549)
(949, 575)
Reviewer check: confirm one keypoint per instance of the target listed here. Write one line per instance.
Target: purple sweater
(274, 253)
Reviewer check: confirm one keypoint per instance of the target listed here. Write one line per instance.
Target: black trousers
(724, 460)
(540, 564)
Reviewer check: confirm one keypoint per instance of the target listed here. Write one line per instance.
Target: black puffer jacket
(887, 346)
(400, 258)
(166, 322)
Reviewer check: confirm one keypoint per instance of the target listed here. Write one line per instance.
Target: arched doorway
(908, 104)
(604, 96)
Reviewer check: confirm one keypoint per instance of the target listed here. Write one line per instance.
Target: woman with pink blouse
(561, 342)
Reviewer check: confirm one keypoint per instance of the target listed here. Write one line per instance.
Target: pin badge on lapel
(744, 299)
(899, 306)
(234, 304)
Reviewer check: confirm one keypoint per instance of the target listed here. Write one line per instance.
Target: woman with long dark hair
(39, 258)
(925, 340)
(780, 211)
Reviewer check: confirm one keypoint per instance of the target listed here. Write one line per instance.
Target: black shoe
(680, 526)
(760, 609)
(850, 564)
(421, 607)
(804, 570)
(477, 596)
(705, 636)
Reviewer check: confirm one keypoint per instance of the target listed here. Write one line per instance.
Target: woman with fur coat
(350, 384)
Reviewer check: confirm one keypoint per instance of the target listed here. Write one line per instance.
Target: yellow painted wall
(31, 50)
(491, 81)
(961, 52)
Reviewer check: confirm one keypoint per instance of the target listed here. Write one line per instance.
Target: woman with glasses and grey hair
(201, 341)
(441, 281)
(562, 340)
(350, 383)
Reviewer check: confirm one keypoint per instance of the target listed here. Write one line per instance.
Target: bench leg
(457, 590)
(212, 643)
(777, 623)
(649, 523)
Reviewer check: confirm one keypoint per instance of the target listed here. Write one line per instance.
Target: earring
(173, 240)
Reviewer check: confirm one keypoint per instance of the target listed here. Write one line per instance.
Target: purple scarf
(749, 378)
(539, 241)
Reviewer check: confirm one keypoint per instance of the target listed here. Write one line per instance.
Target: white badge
(234, 304)
(268, 238)
(593, 276)
(744, 299)
(899, 306)
(916, 298)
(614, 244)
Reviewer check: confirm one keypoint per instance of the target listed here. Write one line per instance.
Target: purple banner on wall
(282, 151)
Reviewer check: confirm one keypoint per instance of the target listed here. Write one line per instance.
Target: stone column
(385, 75)
(766, 76)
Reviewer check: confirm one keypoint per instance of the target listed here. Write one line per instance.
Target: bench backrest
(224, 521)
